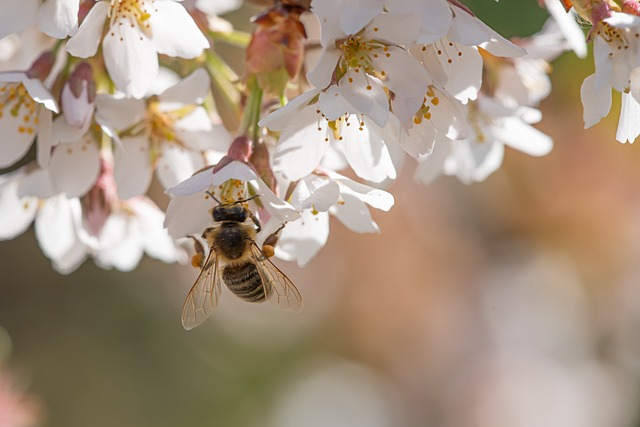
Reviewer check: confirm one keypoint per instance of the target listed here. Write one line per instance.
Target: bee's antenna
(209, 193)
(246, 200)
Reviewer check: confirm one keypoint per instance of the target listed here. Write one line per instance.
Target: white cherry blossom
(454, 61)
(492, 126)
(616, 53)
(316, 197)
(440, 113)
(316, 119)
(368, 60)
(138, 30)
(66, 234)
(26, 108)
(168, 134)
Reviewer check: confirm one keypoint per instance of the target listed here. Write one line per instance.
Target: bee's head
(229, 212)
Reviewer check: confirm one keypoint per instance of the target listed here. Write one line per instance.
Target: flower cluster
(120, 93)
(615, 32)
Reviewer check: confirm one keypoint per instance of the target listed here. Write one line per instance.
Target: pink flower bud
(78, 96)
(261, 164)
(100, 201)
(240, 150)
(631, 7)
(42, 66)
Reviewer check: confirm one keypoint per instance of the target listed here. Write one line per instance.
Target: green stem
(226, 96)
(252, 110)
(235, 38)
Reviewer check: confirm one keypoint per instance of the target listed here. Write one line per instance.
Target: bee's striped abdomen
(244, 280)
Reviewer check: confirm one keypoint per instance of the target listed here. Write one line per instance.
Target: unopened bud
(78, 96)
(100, 201)
(276, 50)
(42, 66)
(631, 7)
(260, 161)
(240, 150)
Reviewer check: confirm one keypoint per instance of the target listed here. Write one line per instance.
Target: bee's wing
(203, 296)
(278, 287)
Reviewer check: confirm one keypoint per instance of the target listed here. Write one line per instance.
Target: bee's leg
(270, 242)
(197, 260)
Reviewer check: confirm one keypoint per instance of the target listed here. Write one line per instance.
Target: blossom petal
(366, 95)
(131, 59)
(302, 145)
(463, 65)
(405, 75)
(55, 226)
(174, 31)
(125, 254)
(396, 29)
(75, 167)
(17, 212)
(322, 73)
(37, 183)
(198, 133)
(431, 166)
(72, 259)
(176, 164)
(301, 240)
(17, 16)
(132, 167)
(421, 139)
(596, 100)
(190, 90)
(283, 116)
(117, 112)
(40, 94)
(315, 192)
(628, 125)
(277, 207)
(355, 215)
(355, 14)
(187, 215)
(470, 31)
(435, 16)
(366, 151)
(472, 161)
(58, 18)
(332, 104)
(155, 240)
(374, 197)
(16, 140)
(523, 137)
(84, 43)
(568, 26)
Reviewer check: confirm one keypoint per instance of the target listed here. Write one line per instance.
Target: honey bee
(235, 259)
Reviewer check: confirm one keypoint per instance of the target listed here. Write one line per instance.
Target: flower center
(357, 53)
(162, 122)
(135, 12)
(15, 100)
(616, 38)
(478, 122)
(430, 101)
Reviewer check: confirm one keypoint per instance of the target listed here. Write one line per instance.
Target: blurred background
(507, 303)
